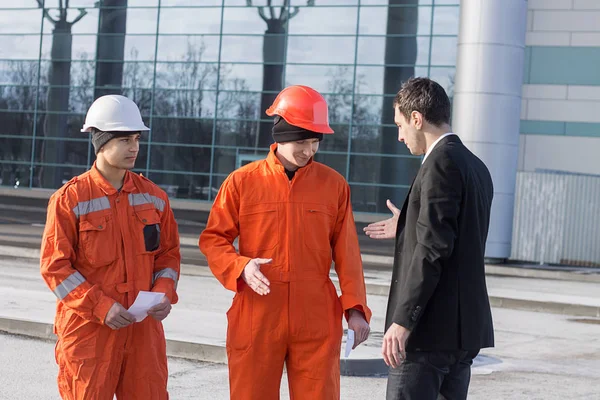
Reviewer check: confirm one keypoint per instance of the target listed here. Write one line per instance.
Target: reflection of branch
(270, 4)
(45, 11)
(82, 13)
(261, 12)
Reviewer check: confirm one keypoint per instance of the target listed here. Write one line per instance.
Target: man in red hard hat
(293, 218)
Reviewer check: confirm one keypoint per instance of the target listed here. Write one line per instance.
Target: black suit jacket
(438, 288)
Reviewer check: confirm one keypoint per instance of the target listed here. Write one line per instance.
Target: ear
(417, 119)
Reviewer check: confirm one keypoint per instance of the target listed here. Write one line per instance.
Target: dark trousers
(424, 375)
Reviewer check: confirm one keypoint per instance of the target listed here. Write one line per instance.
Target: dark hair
(425, 96)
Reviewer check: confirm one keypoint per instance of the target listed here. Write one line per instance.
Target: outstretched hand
(385, 229)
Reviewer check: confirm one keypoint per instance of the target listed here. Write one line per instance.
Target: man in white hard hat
(109, 235)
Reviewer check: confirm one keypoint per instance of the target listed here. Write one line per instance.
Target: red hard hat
(302, 106)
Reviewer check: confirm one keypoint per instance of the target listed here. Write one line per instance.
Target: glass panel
(184, 103)
(179, 158)
(373, 20)
(186, 75)
(190, 20)
(19, 47)
(390, 170)
(182, 130)
(245, 49)
(326, 3)
(20, 21)
(324, 20)
(370, 79)
(340, 105)
(335, 161)
(445, 20)
(238, 133)
(239, 104)
(15, 175)
(188, 48)
(142, 20)
(371, 50)
(315, 49)
(244, 20)
(51, 177)
(443, 51)
(145, 3)
(248, 75)
(183, 186)
(445, 77)
(17, 97)
(204, 3)
(372, 199)
(338, 142)
(367, 112)
(14, 149)
(318, 77)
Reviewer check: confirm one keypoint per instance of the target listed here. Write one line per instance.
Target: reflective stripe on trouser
(298, 323)
(96, 362)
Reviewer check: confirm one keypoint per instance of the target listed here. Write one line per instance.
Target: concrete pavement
(196, 328)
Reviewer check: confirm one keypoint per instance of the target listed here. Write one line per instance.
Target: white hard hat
(113, 113)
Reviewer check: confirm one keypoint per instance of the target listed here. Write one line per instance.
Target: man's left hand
(358, 323)
(161, 310)
(393, 348)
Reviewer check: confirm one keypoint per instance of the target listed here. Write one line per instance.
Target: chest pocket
(147, 228)
(259, 228)
(96, 240)
(319, 222)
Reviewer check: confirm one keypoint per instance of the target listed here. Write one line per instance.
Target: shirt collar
(107, 188)
(430, 149)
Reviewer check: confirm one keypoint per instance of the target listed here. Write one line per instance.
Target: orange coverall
(303, 225)
(99, 246)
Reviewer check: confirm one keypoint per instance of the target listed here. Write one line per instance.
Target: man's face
(408, 133)
(298, 153)
(121, 152)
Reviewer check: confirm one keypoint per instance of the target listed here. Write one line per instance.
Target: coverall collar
(107, 188)
(274, 162)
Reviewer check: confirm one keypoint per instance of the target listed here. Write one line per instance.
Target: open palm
(385, 229)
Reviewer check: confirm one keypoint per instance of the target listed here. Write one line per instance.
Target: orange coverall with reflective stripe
(303, 225)
(102, 246)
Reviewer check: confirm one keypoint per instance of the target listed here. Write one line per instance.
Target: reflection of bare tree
(274, 46)
(110, 51)
(19, 101)
(137, 82)
(58, 92)
(400, 58)
(178, 118)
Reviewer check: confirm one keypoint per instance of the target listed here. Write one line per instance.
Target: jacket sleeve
(347, 259)
(58, 256)
(167, 261)
(216, 241)
(436, 232)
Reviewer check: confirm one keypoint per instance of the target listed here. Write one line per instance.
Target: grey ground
(542, 356)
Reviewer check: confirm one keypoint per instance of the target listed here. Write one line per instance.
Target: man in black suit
(438, 314)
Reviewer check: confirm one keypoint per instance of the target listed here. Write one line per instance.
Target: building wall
(196, 70)
(560, 113)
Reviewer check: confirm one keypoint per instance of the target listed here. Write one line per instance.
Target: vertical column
(487, 101)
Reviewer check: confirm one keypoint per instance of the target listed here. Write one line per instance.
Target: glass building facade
(203, 72)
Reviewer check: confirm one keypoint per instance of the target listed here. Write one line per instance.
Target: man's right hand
(384, 229)
(254, 278)
(118, 317)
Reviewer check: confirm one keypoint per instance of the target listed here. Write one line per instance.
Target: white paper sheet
(349, 342)
(144, 302)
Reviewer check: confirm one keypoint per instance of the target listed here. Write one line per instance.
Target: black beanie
(284, 132)
(100, 138)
